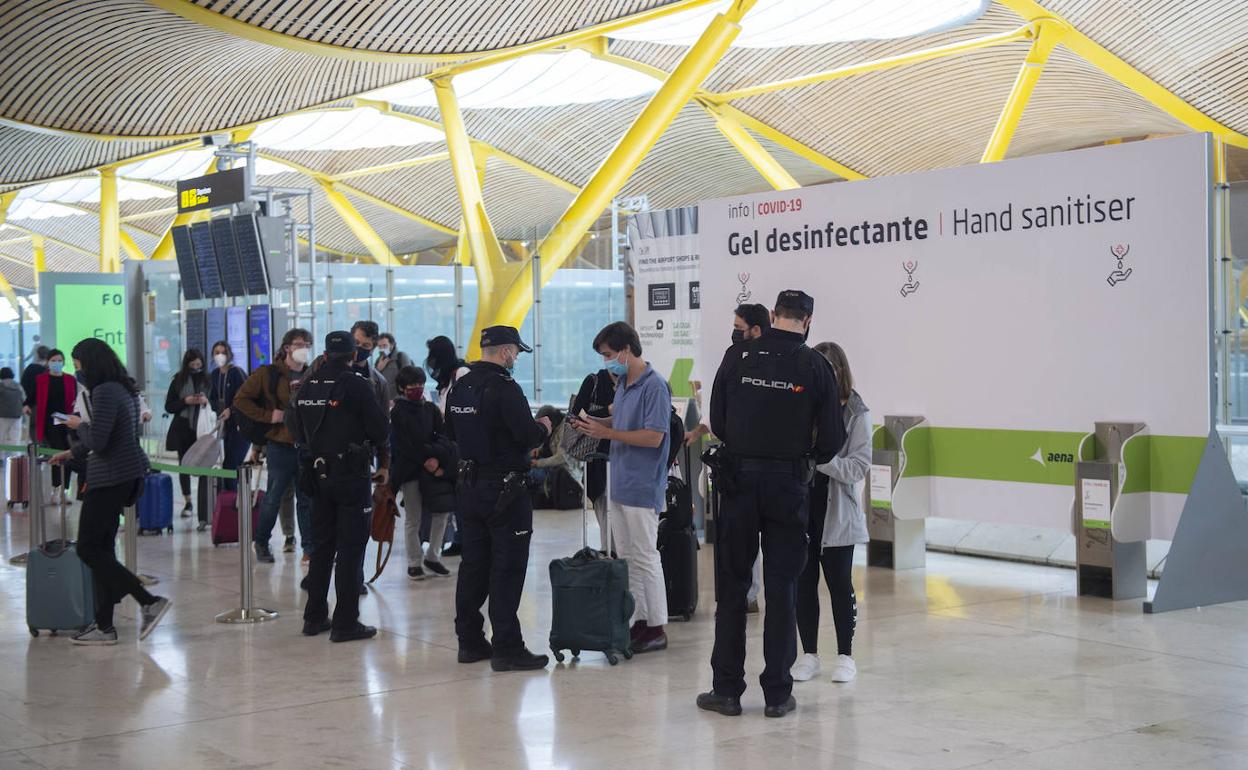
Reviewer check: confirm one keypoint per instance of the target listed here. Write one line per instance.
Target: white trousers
(412, 510)
(636, 532)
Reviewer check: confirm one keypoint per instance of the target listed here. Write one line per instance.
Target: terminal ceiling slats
(431, 26)
(28, 156)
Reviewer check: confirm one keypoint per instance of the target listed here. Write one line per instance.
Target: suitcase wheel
(557, 653)
(628, 655)
(34, 632)
(170, 530)
(575, 653)
(612, 658)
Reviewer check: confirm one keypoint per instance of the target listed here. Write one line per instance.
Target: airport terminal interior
(936, 305)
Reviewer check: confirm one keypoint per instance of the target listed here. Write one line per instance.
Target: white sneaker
(806, 668)
(845, 669)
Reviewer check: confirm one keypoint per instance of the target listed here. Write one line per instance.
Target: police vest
(464, 409)
(317, 394)
(771, 403)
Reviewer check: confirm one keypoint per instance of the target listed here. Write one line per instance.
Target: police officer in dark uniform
(338, 419)
(488, 416)
(775, 406)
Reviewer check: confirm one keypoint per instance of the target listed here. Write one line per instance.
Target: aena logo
(776, 384)
(1044, 458)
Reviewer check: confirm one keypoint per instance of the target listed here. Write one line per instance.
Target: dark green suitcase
(592, 605)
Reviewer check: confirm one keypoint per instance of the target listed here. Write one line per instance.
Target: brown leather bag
(385, 513)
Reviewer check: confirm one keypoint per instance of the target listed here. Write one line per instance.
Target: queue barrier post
(246, 612)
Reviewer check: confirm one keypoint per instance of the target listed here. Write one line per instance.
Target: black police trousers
(773, 505)
(341, 518)
(492, 566)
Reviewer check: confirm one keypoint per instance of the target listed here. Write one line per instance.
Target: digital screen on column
(186, 262)
(206, 260)
(236, 335)
(250, 254)
(91, 310)
(259, 336)
(196, 329)
(227, 257)
(214, 329)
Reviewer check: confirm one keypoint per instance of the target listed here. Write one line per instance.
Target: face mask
(511, 364)
(56, 367)
(617, 367)
(220, 360)
(301, 355)
(806, 333)
(737, 336)
(362, 355)
(197, 368)
(384, 351)
(414, 393)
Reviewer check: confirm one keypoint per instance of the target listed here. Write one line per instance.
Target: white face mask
(301, 355)
(384, 350)
(220, 360)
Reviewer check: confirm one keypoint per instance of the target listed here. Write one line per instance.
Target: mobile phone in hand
(59, 418)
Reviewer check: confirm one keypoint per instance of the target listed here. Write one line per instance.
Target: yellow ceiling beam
(110, 222)
(6, 200)
(1113, 66)
(1048, 35)
(600, 49)
(1026, 32)
(398, 165)
(130, 247)
(6, 289)
(609, 179)
(39, 257)
(362, 230)
(752, 150)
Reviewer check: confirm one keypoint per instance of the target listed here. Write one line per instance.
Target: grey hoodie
(11, 398)
(846, 522)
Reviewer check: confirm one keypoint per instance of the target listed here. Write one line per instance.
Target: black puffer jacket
(417, 434)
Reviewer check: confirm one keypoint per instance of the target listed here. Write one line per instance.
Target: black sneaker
(360, 631)
(720, 704)
(520, 661)
(187, 510)
(312, 628)
(775, 712)
(289, 545)
(476, 653)
(454, 549)
(416, 573)
(264, 554)
(435, 567)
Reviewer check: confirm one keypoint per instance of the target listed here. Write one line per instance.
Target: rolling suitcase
(60, 595)
(156, 504)
(225, 517)
(678, 550)
(17, 480)
(591, 603)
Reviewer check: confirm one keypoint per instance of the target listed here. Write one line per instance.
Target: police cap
(339, 342)
(494, 336)
(796, 299)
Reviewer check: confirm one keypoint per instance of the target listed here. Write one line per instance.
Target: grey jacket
(11, 398)
(110, 442)
(846, 521)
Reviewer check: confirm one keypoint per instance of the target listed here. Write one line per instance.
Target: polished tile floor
(968, 663)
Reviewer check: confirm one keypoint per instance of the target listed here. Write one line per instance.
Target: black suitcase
(678, 550)
(591, 604)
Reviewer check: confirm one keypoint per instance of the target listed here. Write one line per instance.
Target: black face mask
(737, 336)
(362, 355)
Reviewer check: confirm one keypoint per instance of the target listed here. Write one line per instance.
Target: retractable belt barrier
(246, 612)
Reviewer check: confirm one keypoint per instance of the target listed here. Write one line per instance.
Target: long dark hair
(840, 367)
(442, 361)
(100, 365)
(184, 371)
(229, 351)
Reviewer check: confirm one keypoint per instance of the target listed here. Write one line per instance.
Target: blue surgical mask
(56, 367)
(617, 367)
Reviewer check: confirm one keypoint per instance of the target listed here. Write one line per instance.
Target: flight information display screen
(206, 260)
(186, 262)
(227, 257)
(251, 254)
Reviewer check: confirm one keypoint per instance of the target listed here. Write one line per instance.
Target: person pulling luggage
(340, 421)
(776, 407)
(488, 416)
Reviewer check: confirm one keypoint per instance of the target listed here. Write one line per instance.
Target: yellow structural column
(632, 148)
(39, 252)
(751, 149)
(1048, 35)
(362, 230)
(110, 222)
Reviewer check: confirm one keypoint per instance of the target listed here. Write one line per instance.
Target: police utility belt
(471, 474)
(356, 460)
(725, 464)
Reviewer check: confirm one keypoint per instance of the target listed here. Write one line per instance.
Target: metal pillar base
(240, 615)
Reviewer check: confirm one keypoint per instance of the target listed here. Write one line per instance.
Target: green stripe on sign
(1026, 456)
(682, 370)
(1162, 463)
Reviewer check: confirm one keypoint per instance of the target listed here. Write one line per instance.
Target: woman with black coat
(226, 379)
(187, 394)
(422, 468)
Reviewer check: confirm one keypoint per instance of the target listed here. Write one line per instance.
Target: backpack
(257, 432)
(676, 429)
(385, 513)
